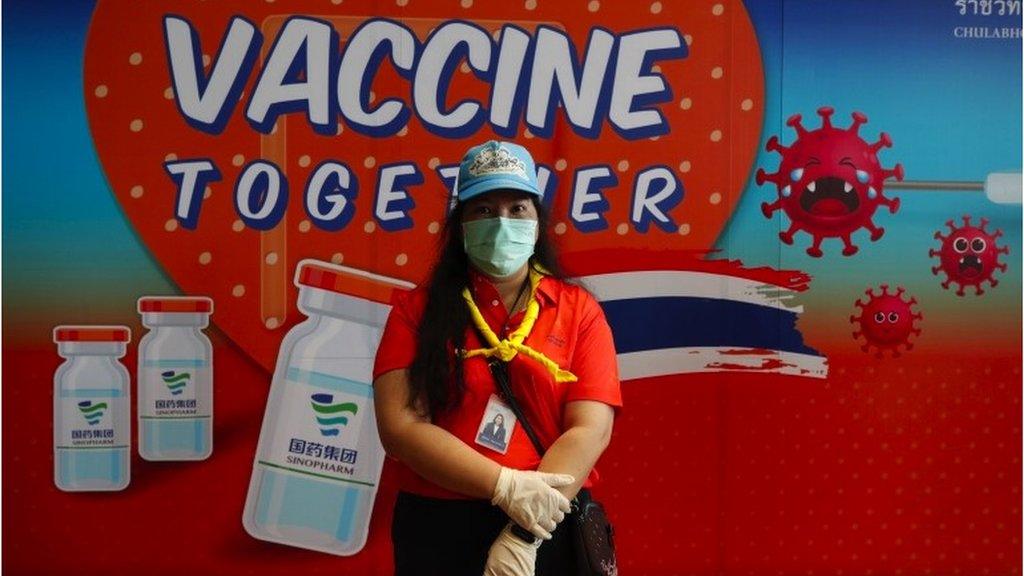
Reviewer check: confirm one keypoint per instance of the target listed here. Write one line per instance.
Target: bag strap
(500, 371)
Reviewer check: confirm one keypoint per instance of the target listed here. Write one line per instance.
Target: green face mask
(499, 246)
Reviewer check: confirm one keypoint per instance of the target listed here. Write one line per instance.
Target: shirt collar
(547, 289)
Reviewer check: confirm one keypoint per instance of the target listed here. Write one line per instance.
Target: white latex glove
(530, 499)
(511, 556)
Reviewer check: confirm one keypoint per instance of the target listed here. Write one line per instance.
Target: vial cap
(186, 304)
(91, 334)
(349, 281)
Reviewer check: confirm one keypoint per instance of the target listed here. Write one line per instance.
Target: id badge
(496, 426)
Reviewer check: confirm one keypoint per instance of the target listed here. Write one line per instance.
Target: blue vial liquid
(322, 514)
(177, 439)
(92, 469)
(295, 497)
(169, 429)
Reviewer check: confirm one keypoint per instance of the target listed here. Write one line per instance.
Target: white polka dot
(494, 302)
(304, 226)
(270, 258)
(715, 135)
(238, 225)
(337, 257)
(717, 9)
(433, 227)
(271, 323)
(169, 93)
(685, 103)
(136, 125)
(466, 3)
(684, 166)
(622, 229)
(433, 162)
(656, 8)
(369, 161)
(530, 4)
(402, 259)
(593, 6)
(716, 72)
(715, 198)
(171, 225)
(623, 165)
(684, 229)
(237, 160)
(101, 91)
(135, 59)
(369, 227)
(560, 228)
(561, 164)
(746, 105)
(304, 160)
(238, 291)
(205, 258)
(136, 192)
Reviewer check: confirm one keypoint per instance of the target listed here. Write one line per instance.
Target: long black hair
(442, 328)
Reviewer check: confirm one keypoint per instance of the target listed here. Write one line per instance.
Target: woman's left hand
(511, 556)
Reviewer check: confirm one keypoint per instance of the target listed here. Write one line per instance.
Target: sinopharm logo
(176, 382)
(330, 416)
(93, 413)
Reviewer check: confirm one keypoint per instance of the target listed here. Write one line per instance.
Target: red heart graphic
(714, 116)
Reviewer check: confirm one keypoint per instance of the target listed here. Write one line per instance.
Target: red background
(871, 471)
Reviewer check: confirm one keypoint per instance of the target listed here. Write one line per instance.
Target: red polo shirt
(571, 330)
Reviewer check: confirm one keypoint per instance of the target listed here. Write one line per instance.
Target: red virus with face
(969, 256)
(830, 182)
(886, 321)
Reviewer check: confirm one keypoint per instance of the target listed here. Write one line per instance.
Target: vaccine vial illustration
(91, 414)
(175, 394)
(319, 457)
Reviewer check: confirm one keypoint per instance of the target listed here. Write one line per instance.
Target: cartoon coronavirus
(969, 255)
(830, 182)
(886, 321)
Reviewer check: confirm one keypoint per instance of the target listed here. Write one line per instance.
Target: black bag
(592, 533)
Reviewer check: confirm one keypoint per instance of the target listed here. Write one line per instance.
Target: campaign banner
(802, 221)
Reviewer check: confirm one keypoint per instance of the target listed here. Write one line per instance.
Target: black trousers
(443, 537)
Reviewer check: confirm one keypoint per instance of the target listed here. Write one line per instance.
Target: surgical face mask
(499, 246)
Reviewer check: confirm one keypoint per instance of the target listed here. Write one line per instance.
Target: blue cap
(497, 165)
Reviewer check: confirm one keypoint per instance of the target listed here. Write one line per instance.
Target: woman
(495, 293)
(494, 432)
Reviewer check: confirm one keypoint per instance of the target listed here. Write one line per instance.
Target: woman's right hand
(530, 499)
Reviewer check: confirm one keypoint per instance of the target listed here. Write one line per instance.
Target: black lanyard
(522, 289)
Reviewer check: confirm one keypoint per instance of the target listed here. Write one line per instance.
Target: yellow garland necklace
(507, 349)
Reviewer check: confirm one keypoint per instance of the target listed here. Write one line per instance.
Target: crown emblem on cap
(497, 161)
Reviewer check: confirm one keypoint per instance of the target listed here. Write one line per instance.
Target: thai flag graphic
(716, 316)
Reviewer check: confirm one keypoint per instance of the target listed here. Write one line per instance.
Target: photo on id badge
(496, 426)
